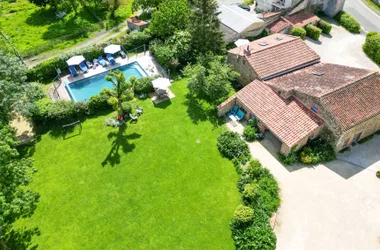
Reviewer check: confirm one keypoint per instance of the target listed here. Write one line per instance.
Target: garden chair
(102, 61)
(83, 67)
(111, 59)
(239, 115)
(89, 64)
(96, 63)
(73, 71)
(233, 111)
(133, 117)
(139, 110)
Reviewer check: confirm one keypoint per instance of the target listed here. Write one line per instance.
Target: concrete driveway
(333, 206)
(342, 47)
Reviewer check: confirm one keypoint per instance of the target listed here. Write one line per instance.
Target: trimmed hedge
(313, 31)
(45, 71)
(300, 32)
(325, 26)
(372, 46)
(348, 22)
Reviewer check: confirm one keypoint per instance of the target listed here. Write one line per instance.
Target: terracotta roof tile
(278, 26)
(301, 19)
(289, 120)
(355, 103)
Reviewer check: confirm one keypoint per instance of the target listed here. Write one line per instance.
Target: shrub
(289, 159)
(348, 22)
(243, 214)
(372, 46)
(232, 146)
(378, 174)
(317, 151)
(313, 31)
(136, 39)
(249, 193)
(249, 133)
(143, 85)
(127, 107)
(299, 31)
(268, 198)
(98, 102)
(325, 26)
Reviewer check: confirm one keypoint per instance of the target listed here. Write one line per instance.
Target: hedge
(231, 146)
(45, 72)
(372, 46)
(299, 31)
(313, 31)
(348, 22)
(325, 26)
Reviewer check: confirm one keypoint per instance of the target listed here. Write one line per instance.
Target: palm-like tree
(121, 92)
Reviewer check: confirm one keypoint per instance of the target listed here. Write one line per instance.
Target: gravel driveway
(342, 47)
(333, 206)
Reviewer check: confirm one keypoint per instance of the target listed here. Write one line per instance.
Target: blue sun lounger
(234, 110)
(111, 59)
(239, 115)
(73, 71)
(102, 61)
(83, 67)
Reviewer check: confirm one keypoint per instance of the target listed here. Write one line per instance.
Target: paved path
(368, 19)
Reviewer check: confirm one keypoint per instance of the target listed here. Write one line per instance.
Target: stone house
(286, 23)
(135, 24)
(303, 99)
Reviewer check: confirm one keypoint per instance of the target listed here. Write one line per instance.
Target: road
(368, 19)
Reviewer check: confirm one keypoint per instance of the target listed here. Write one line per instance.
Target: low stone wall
(226, 106)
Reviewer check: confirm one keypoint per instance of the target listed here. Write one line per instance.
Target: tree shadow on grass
(22, 238)
(120, 141)
(200, 111)
(43, 16)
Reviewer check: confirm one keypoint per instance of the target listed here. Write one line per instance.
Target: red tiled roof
(355, 103)
(334, 77)
(136, 21)
(278, 26)
(301, 19)
(290, 120)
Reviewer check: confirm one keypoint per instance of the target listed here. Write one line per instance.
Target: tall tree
(171, 16)
(145, 4)
(114, 5)
(205, 28)
(121, 92)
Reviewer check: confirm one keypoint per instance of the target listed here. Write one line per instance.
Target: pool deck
(146, 61)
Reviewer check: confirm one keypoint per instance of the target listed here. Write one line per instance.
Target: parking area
(332, 206)
(342, 47)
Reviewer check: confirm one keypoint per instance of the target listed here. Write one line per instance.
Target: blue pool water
(83, 89)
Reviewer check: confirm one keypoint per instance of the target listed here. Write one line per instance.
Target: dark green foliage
(289, 159)
(325, 26)
(250, 129)
(348, 22)
(378, 174)
(99, 102)
(135, 39)
(267, 195)
(127, 107)
(313, 31)
(299, 31)
(372, 46)
(317, 151)
(145, 4)
(232, 146)
(261, 35)
(143, 85)
(249, 193)
(364, 140)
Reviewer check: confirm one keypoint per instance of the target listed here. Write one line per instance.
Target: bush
(313, 31)
(325, 26)
(372, 46)
(268, 198)
(143, 85)
(378, 174)
(299, 31)
(348, 22)
(232, 146)
(249, 193)
(317, 151)
(99, 102)
(127, 107)
(243, 214)
(289, 159)
(249, 133)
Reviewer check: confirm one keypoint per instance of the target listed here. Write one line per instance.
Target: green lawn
(158, 184)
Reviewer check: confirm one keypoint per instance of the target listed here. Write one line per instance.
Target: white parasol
(112, 49)
(75, 60)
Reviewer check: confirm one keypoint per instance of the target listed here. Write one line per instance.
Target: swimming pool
(83, 89)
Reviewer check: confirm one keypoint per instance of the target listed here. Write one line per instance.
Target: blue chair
(73, 71)
(83, 67)
(234, 110)
(239, 115)
(111, 59)
(102, 61)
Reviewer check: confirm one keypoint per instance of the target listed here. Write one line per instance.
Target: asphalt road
(368, 19)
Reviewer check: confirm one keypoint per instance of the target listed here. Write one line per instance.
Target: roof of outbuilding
(301, 19)
(236, 18)
(289, 120)
(309, 80)
(355, 103)
(278, 26)
(281, 54)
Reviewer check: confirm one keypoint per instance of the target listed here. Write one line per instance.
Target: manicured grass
(158, 184)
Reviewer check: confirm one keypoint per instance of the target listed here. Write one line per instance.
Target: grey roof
(236, 18)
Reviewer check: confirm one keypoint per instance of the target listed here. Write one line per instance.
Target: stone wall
(226, 106)
(241, 65)
(229, 35)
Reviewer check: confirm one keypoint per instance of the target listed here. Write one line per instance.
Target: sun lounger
(139, 110)
(102, 61)
(83, 67)
(133, 117)
(233, 111)
(111, 59)
(73, 71)
(122, 54)
(239, 115)
(89, 64)
(96, 63)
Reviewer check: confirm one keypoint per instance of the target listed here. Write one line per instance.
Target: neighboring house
(286, 23)
(271, 56)
(295, 96)
(136, 24)
(238, 23)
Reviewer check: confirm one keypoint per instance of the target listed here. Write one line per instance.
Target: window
(346, 142)
(314, 108)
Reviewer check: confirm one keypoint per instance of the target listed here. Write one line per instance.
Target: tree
(145, 4)
(171, 16)
(205, 28)
(210, 79)
(114, 5)
(121, 92)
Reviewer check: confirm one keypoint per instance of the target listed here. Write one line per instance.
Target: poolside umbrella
(241, 42)
(112, 49)
(75, 60)
(161, 83)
